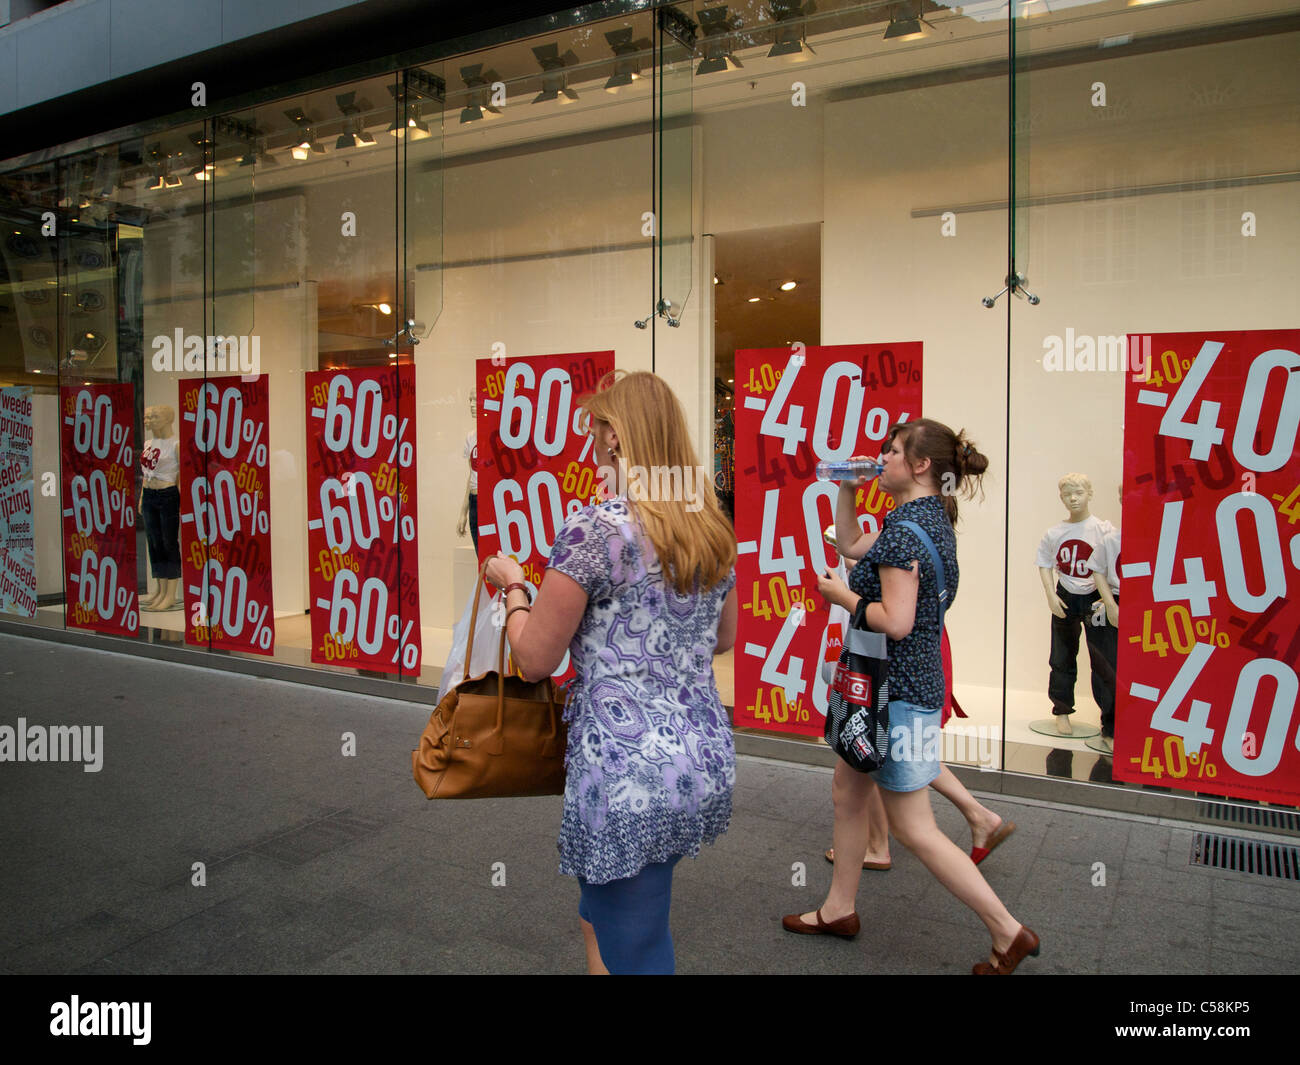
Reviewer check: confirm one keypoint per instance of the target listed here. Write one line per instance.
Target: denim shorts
(915, 748)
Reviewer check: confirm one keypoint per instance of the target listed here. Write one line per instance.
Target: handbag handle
(495, 743)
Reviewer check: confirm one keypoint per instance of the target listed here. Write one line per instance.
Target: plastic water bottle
(848, 470)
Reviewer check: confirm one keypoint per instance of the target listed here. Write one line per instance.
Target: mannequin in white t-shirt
(469, 506)
(1064, 554)
(159, 505)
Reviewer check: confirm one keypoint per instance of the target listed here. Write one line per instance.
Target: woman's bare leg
(855, 795)
(983, 821)
(912, 822)
(595, 967)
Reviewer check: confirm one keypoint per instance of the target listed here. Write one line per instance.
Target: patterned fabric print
(915, 665)
(651, 760)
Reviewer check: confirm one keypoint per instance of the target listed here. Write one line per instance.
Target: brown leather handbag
(494, 735)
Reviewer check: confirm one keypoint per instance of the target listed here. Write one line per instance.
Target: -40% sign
(780, 709)
(97, 589)
(1183, 632)
(93, 429)
(223, 598)
(359, 612)
(1176, 761)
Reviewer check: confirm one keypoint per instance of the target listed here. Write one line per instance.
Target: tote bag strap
(941, 578)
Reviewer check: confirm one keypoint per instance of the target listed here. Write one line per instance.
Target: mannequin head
(1076, 494)
(158, 421)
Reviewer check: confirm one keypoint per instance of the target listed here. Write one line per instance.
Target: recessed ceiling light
(383, 308)
(788, 286)
(754, 299)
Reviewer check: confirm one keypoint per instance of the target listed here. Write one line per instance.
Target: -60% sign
(99, 478)
(362, 518)
(227, 519)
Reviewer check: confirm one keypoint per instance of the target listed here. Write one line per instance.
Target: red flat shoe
(878, 867)
(978, 854)
(1025, 944)
(845, 927)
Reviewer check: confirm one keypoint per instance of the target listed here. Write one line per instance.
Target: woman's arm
(851, 541)
(727, 623)
(895, 614)
(539, 638)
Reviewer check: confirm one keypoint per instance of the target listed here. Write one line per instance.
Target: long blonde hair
(696, 545)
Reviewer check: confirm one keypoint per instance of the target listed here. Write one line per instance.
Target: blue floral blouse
(651, 761)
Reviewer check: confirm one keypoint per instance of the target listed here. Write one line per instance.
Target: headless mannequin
(1076, 494)
(160, 436)
(468, 520)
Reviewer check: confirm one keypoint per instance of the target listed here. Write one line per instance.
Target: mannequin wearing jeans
(1063, 565)
(160, 506)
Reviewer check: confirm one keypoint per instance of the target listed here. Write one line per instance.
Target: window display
(368, 254)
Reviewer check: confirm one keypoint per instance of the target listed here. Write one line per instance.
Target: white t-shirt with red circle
(1068, 547)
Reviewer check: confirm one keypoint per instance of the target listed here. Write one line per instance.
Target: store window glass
(1156, 162)
(855, 172)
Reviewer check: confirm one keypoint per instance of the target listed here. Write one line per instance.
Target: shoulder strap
(941, 578)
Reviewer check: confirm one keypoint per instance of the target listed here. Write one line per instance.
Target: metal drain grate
(1246, 856)
(1253, 816)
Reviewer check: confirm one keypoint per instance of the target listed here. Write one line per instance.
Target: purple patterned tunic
(651, 760)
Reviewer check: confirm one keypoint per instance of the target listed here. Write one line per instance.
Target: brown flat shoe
(845, 927)
(1025, 943)
(879, 867)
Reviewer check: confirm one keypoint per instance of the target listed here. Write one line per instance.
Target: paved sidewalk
(320, 863)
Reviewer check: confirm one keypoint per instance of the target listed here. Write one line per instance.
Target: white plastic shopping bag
(837, 627)
(487, 637)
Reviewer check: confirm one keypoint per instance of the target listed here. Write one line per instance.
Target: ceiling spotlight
(717, 26)
(753, 299)
(791, 30)
(383, 308)
(307, 138)
(905, 26)
(478, 81)
(788, 286)
(416, 129)
(627, 68)
(715, 280)
(554, 85)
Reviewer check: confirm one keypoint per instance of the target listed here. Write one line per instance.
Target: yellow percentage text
(780, 600)
(1177, 762)
(1182, 632)
(779, 709)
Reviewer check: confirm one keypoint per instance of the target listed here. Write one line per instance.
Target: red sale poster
(99, 508)
(361, 519)
(536, 462)
(1209, 620)
(226, 514)
(796, 407)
